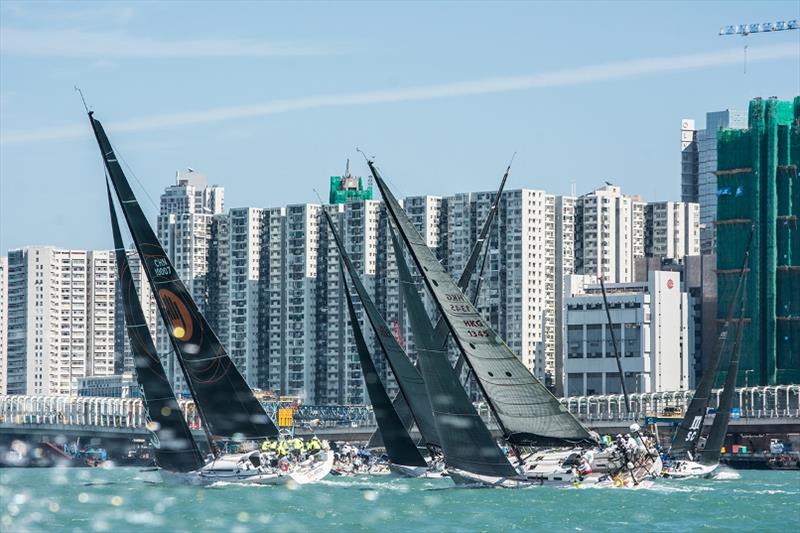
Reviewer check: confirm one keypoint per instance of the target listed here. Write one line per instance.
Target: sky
(270, 99)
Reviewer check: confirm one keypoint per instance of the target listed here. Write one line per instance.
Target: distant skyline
(270, 99)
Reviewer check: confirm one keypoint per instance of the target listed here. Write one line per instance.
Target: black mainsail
(526, 411)
(688, 433)
(466, 441)
(408, 377)
(399, 446)
(719, 427)
(175, 447)
(226, 403)
(442, 331)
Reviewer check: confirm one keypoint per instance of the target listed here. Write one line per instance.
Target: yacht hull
(689, 469)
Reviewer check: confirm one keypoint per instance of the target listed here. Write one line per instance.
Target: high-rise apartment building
(609, 234)
(184, 229)
(672, 229)
(61, 318)
(3, 321)
(234, 278)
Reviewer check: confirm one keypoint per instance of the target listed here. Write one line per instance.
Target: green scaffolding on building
(757, 184)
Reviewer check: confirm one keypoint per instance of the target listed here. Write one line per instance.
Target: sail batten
(526, 410)
(226, 403)
(175, 447)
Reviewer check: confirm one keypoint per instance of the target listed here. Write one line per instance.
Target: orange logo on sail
(179, 318)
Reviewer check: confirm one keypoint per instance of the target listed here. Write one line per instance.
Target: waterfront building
(60, 318)
(653, 327)
(3, 321)
(184, 229)
(672, 229)
(234, 277)
(609, 234)
(758, 187)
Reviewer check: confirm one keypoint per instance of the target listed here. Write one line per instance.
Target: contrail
(558, 78)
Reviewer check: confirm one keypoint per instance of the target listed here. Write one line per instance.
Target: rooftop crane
(746, 29)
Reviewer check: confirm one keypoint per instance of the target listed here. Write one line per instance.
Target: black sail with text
(175, 448)
(399, 446)
(466, 441)
(406, 374)
(442, 330)
(526, 410)
(226, 403)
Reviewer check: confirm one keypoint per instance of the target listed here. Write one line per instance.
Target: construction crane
(765, 27)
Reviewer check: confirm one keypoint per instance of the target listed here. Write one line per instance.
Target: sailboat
(683, 453)
(226, 404)
(527, 413)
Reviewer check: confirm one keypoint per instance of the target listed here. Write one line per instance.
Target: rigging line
(128, 167)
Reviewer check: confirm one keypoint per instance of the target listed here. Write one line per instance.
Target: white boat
(555, 467)
(252, 468)
(687, 469)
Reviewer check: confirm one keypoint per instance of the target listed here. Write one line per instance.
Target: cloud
(572, 76)
(116, 45)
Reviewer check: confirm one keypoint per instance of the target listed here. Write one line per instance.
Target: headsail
(466, 441)
(175, 448)
(226, 403)
(407, 376)
(399, 446)
(688, 433)
(527, 412)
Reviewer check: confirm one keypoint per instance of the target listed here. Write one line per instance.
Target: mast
(688, 433)
(526, 410)
(399, 446)
(226, 403)
(616, 350)
(175, 447)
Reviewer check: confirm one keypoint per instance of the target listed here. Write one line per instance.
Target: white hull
(689, 469)
(236, 469)
(548, 471)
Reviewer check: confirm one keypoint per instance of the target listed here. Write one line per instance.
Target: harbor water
(119, 500)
